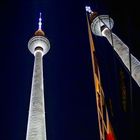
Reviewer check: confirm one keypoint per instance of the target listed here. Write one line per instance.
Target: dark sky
(69, 91)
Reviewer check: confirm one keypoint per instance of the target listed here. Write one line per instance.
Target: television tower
(101, 26)
(38, 45)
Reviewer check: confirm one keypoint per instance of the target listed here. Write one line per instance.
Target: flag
(109, 132)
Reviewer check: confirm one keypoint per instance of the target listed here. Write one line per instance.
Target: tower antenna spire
(40, 22)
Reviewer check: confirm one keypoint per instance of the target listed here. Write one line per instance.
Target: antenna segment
(40, 22)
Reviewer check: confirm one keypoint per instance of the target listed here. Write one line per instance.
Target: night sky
(68, 81)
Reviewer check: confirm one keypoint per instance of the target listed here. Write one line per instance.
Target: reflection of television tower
(38, 45)
(105, 129)
(101, 26)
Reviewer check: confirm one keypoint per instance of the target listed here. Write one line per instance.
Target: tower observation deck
(38, 45)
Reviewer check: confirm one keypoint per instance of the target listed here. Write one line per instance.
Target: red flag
(109, 137)
(110, 133)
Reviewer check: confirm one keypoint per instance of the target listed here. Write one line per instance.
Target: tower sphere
(100, 21)
(37, 42)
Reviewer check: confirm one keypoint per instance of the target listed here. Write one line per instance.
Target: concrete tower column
(38, 45)
(123, 51)
(101, 26)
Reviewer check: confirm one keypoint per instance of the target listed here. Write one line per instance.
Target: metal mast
(38, 45)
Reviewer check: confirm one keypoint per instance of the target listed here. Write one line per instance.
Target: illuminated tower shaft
(101, 26)
(38, 45)
(36, 122)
